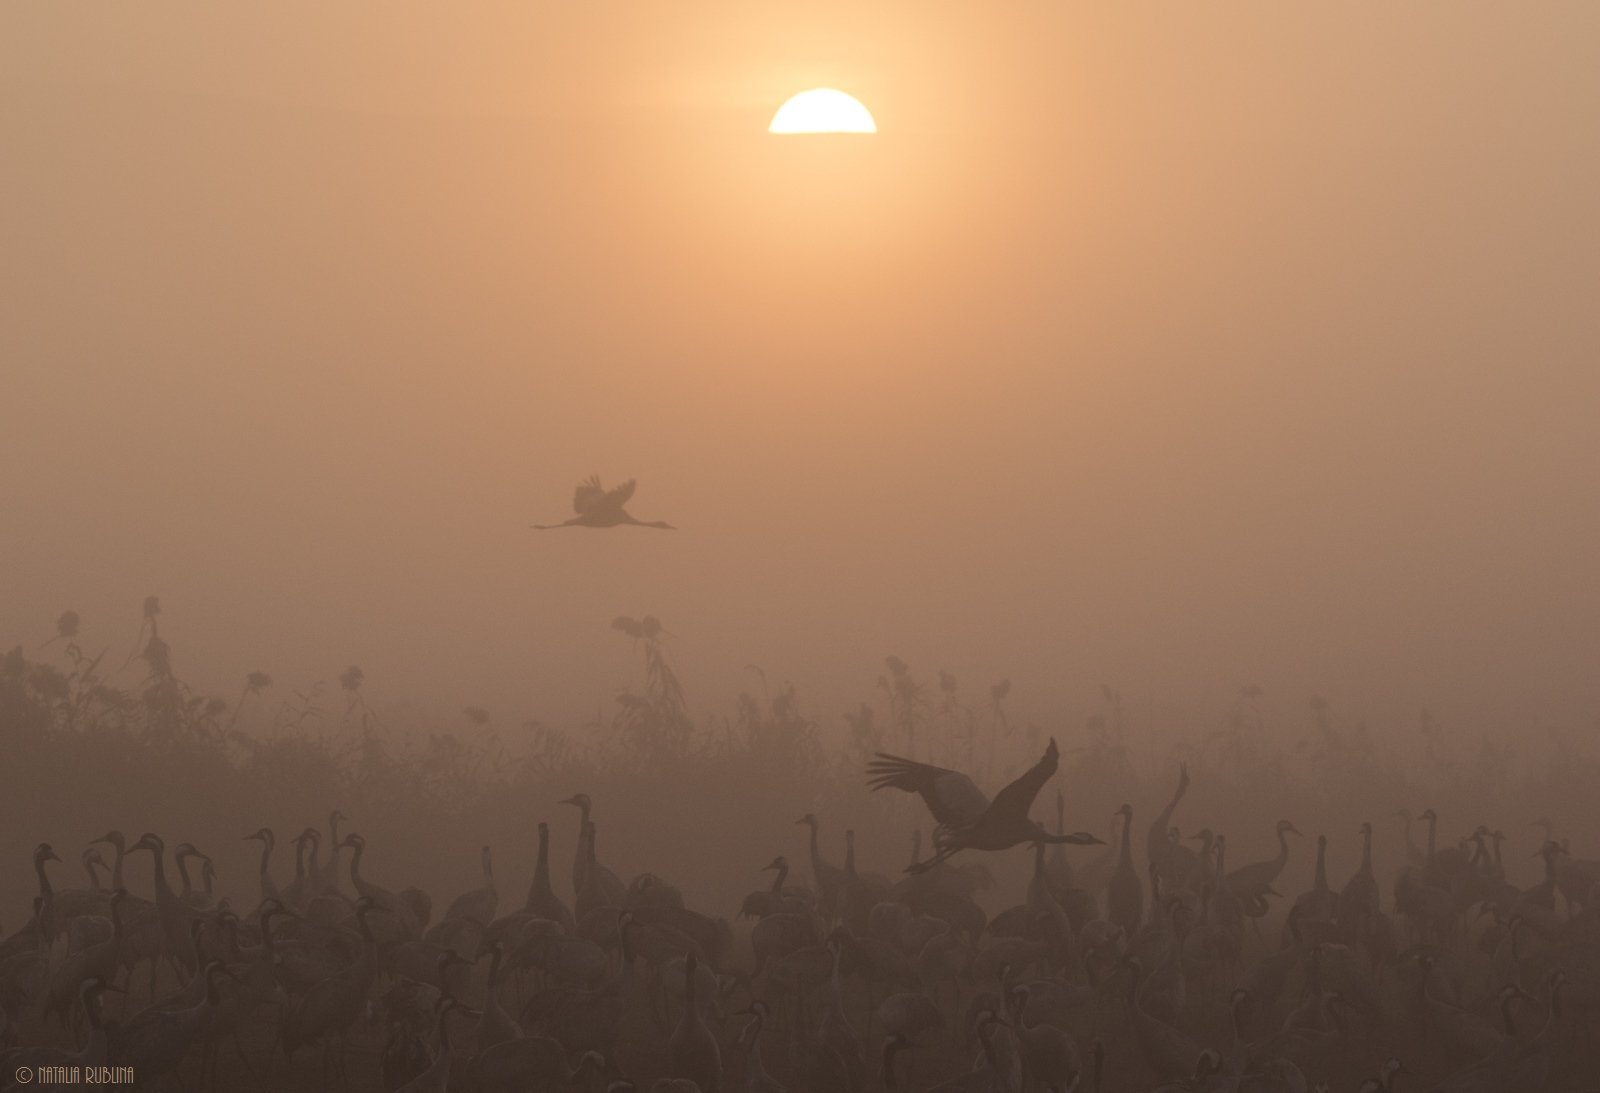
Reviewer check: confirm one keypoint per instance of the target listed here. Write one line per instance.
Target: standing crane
(967, 820)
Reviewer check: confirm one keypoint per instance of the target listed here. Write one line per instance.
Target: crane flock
(1175, 973)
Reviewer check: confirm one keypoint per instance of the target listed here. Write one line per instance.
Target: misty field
(101, 734)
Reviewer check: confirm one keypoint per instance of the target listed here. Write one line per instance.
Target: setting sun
(822, 110)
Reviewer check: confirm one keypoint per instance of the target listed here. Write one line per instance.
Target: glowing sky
(1175, 349)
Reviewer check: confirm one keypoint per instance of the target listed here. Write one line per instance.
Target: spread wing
(951, 797)
(619, 495)
(591, 495)
(588, 494)
(1017, 798)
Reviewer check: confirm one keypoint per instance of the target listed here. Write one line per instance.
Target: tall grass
(88, 747)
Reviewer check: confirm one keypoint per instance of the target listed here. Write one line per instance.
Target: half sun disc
(822, 110)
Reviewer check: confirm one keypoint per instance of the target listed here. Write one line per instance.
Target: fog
(1175, 352)
(1145, 353)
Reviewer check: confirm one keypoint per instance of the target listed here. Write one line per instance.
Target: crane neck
(580, 857)
(159, 857)
(541, 864)
(539, 890)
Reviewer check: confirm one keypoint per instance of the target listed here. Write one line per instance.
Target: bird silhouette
(967, 820)
(598, 507)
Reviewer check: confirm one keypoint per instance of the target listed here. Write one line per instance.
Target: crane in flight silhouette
(598, 507)
(967, 820)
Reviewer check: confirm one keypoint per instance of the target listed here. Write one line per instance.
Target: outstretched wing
(1017, 798)
(618, 496)
(587, 495)
(951, 796)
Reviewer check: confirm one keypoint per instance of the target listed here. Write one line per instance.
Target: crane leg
(938, 859)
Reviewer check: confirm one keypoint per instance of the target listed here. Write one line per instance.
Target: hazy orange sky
(1171, 347)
